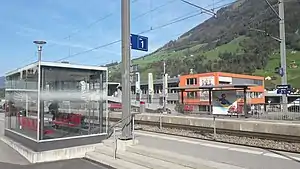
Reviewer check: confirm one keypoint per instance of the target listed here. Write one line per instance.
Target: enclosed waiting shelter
(62, 105)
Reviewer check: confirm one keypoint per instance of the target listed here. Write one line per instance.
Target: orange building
(255, 95)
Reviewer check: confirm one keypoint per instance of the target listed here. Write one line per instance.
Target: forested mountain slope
(227, 43)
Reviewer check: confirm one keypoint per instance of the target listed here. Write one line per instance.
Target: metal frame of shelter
(226, 87)
(37, 143)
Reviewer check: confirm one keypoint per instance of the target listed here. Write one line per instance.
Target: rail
(214, 130)
(114, 130)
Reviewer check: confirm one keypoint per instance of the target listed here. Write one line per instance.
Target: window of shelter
(71, 102)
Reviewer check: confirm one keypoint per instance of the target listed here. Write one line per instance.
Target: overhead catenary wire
(143, 32)
(100, 19)
(154, 9)
(273, 9)
(207, 11)
(133, 57)
(107, 16)
(173, 21)
(110, 14)
(146, 31)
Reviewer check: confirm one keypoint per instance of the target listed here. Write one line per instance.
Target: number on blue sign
(142, 43)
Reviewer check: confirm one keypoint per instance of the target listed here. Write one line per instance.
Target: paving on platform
(11, 159)
(242, 156)
(68, 164)
(8, 156)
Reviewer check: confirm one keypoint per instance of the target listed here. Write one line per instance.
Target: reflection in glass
(21, 102)
(72, 101)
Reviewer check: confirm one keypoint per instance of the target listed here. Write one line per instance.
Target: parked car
(161, 110)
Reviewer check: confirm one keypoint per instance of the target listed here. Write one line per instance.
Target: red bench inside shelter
(113, 106)
(69, 120)
(31, 124)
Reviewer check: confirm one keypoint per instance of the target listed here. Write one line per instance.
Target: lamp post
(40, 125)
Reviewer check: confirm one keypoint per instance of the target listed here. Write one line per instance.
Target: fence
(258, 111)
(276, 111)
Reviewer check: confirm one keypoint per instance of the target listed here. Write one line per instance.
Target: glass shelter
(68, 109)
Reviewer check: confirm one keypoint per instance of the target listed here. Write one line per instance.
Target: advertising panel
(225, 102)
(206, 81)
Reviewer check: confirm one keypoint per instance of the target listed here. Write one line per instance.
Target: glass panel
(21, 103)
(73, 102)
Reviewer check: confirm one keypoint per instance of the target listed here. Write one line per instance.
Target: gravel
(263, 143)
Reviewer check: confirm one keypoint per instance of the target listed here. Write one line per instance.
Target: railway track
(205, 131)
(277, 137)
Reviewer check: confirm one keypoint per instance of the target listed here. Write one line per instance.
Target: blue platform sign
(139, 42)
(284, 89)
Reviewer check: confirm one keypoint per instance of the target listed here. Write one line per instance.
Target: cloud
(28, 32)
(56, 16)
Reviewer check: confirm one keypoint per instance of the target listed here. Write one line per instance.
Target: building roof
(235, 75)
(237, 86)
(56, 64)
(160, 81)
(113, 83)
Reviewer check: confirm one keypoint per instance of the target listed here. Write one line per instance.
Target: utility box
(142, 107)
(138, 96)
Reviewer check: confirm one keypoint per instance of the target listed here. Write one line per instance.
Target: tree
(2, 93)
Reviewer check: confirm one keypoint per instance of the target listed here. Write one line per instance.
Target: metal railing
(276, 112)
(255, 111)
(114, 129)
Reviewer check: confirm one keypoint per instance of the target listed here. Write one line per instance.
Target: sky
(71, 27)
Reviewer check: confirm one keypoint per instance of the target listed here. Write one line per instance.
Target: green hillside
(226, 44)
(293, 68)
(185, 54)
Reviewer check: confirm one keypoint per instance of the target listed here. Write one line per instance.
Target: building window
(191, 95)
(255, 95)
(171, 102)
(191, 81)
(258, 82)
(223, 83)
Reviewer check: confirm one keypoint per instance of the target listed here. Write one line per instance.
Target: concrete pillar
(150, 87)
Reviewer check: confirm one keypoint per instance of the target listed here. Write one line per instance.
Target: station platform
(11, 159)
(162, 151)
(211, 155)
(240, 124)
(216, 154)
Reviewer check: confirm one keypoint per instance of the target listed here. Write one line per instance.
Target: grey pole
(40, 122)
(164, 88)
(126, 99)
(283, 52)
(39, 92)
